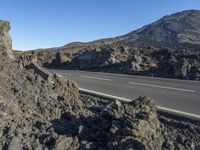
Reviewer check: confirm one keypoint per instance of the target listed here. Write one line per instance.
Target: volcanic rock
(5, 40)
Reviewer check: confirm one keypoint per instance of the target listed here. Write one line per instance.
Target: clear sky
(50, 23)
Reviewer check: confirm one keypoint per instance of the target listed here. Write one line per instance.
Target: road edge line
(95, 78)
(105, 95)
(164, 109)
(162, 87)
(140, 76)
(178, 112)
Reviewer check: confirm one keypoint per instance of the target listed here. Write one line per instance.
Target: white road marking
(90, 77)
(178, 112)
(139, 76)
(162, 87)
(65, 74)
(128, 100)
(61, 72)
(106, 95)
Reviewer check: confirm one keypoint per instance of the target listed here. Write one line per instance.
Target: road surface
(180, 95)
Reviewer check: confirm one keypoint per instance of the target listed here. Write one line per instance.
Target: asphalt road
(181, 95)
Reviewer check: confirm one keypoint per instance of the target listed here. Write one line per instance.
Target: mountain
(179, 29)
(169, 47)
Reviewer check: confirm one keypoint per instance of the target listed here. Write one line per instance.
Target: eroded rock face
(29, 102)
(133, 125)
(182, 68)
(148, 61)
(114, 126)
(30, 98)
(37, 113)
(5, 39)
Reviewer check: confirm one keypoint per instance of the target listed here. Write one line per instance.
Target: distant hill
(179, 29)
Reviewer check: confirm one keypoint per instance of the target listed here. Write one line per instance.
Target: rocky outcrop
(28, 102)
(29, 97)
(148, 61)
(39, 70)
(182, 68)
(5, 40)
(133, 125)
(37, 113)
(113, 126)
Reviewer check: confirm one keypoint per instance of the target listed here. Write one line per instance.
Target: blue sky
(50, 23)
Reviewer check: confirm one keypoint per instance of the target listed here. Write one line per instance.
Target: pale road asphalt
(180, 95)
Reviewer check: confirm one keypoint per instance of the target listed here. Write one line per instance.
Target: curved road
(180, 95)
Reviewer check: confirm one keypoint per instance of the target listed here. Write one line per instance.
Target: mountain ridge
(175, 28)
(178, 30)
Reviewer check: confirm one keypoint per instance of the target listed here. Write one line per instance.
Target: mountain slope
(177, 29)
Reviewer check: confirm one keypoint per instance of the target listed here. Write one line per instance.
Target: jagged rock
(63, 143)
(118, 126)
(15, 143)
(182, 68)
(141, 61)
(135, 122)
(5, 40)
(167, 145)
(39, 70)
(62, 57)
(30, 98)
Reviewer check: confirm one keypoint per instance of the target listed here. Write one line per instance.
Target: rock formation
(132, 125)
(28, 95)
(5, 40)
